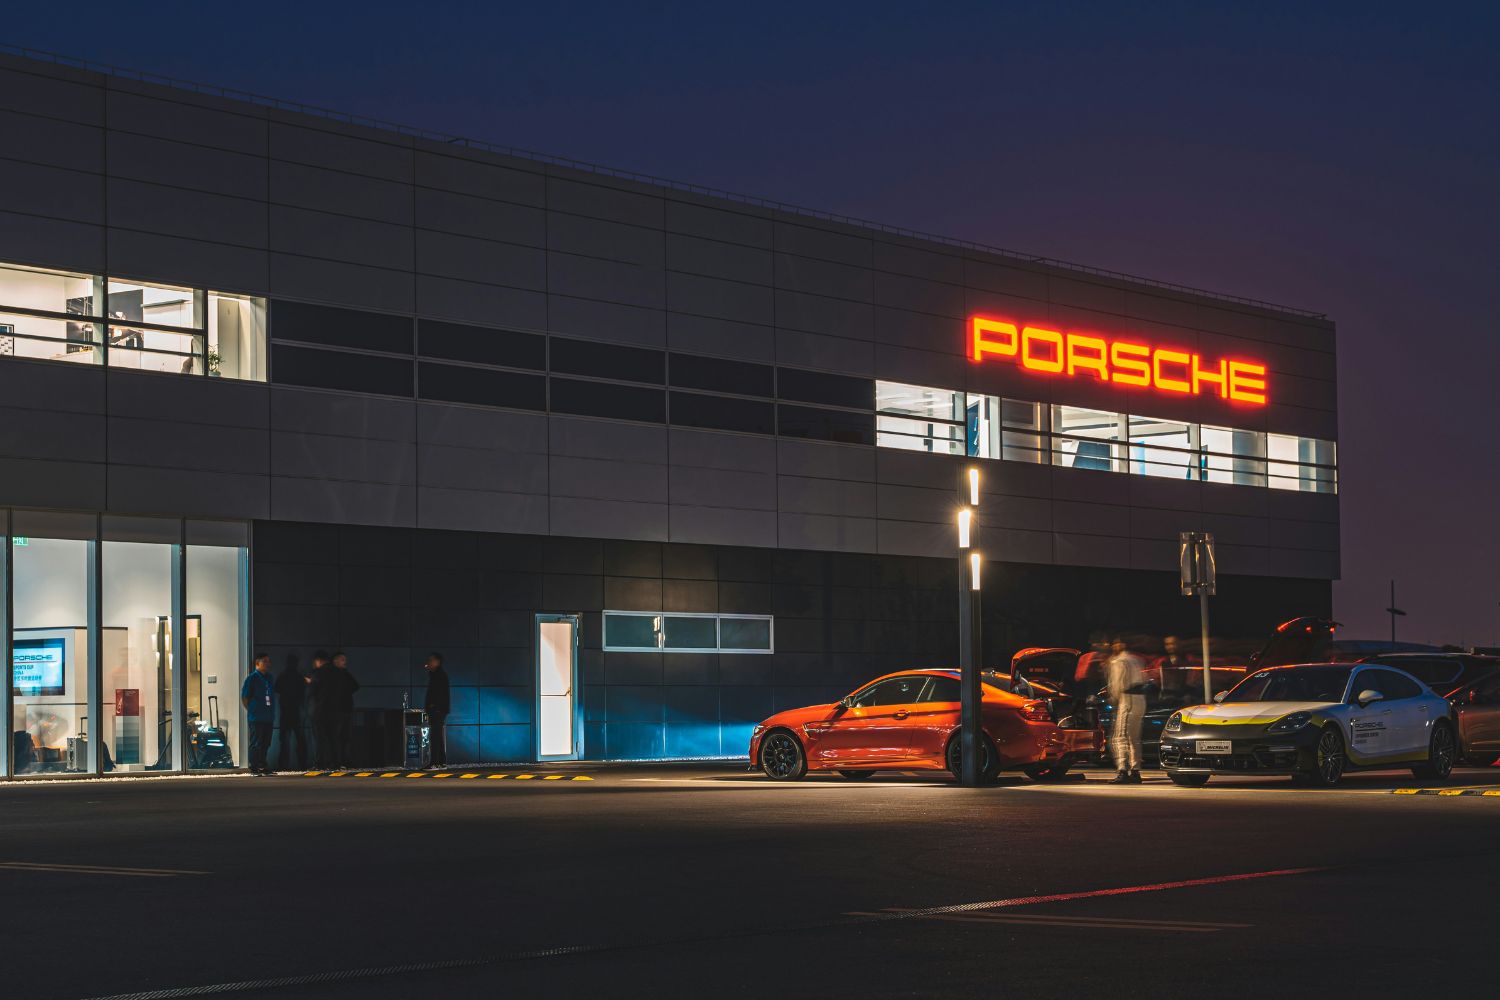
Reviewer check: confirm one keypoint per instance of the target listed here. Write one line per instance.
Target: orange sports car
(909, 721)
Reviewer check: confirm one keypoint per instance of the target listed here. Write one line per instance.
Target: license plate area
(1215, 746)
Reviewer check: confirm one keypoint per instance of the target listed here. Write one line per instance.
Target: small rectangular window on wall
(648, 632)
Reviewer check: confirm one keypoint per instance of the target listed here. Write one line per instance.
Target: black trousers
(260, 743)
(437, 737)
(325, 741)
(292, 732)
(341, 747)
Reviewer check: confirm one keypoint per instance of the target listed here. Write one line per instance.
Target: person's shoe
(1123, 778)
(1135, 777)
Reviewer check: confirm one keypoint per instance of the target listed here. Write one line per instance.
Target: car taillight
(1036, 711)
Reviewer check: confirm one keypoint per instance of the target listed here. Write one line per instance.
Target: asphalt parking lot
(696, 880)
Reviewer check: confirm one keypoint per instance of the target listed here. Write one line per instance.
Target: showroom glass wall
(127, 638)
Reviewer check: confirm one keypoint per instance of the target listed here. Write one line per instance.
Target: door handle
(900, 715)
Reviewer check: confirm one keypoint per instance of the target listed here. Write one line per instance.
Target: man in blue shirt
(259, 698)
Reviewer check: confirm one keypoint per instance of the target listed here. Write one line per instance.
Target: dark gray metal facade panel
(244, 198)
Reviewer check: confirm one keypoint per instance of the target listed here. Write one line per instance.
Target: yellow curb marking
(1451, 791)
(582, 777)
(1407, 791)
(468, 775)
(364, 774)
(391, 774)
(442, 775)
(312, 774)
(337, 774)
(416, 774)
(496, 777)
(554, 777)
(525, 777)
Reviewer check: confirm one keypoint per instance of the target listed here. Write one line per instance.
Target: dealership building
(645, 463)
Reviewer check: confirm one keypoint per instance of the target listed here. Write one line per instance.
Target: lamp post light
(970, 569)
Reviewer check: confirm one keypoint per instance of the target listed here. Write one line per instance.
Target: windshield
(1324, 684)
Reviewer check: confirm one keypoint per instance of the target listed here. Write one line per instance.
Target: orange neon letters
(1125, 362)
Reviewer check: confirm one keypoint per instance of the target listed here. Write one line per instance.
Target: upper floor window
(91, 319)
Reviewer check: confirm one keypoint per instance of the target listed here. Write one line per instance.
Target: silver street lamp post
(970, 565)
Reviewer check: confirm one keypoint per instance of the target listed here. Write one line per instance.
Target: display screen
(38, 667)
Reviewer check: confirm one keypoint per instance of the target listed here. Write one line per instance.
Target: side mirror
(845, 703)
(1369, 697)
(1219, 698)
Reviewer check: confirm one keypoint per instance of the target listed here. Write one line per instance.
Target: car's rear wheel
(781, 756)
(858, 775)
(1481, 759)
(1442, 751)
(1188, 780)
(1046, 772)
(989, 764)
(1328, 760)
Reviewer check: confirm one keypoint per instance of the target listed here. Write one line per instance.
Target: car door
(933, 719)
(1411, 713)
(1479, 717)
(873, 729)
(1371, 727)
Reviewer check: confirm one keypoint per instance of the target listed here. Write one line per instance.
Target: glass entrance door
(557, 729)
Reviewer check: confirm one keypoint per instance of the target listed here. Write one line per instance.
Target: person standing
(258, 695)
(291, 693)
(437, 705)
(323, 696)
(1125, 675)
(347, 685)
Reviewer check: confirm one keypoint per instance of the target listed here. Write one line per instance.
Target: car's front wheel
(781, 756)
(989, 764)
(1328, 760)
(1188, 780)
(1442, 751)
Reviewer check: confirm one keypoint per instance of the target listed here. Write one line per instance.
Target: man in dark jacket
(291, 692)
(437, 706)
(323, 695)
(258, 695)
(347, 686)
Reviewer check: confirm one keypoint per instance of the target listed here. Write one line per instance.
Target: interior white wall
(136, 589)
(51, 595)
(214, 592)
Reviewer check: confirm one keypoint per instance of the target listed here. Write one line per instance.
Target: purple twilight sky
(1338, 157)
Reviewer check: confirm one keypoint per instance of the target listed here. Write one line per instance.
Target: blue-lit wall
(388, 596)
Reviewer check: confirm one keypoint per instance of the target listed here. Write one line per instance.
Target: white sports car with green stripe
(1313, 721)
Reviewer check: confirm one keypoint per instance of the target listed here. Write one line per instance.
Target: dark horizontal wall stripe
(826, 425)
(370, 373)
(341, 327)
(457, 342)
(485, 386)
(603, 399)
(630, 364)
(690, 371)
(821, 387)
(723, 413)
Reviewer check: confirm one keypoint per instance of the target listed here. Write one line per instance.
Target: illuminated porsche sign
(1122, 362)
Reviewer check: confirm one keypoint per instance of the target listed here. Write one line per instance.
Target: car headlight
(1174, 724)
(1290, 723)
(757, 731)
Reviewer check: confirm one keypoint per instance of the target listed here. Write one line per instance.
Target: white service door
(556, 670)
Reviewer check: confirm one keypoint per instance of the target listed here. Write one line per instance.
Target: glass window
(895, 691)
(689, 633)
(457, 342)
(748, 635)
(482, 385)
(1165, 448)
(52, 589)
(1088, 439)
(690, 371)
(605, 399)
(724, 413)
(138, 647)
(825, 425)
(159, 305)
(1233, 456)
(1011, 429)
(60, 292)
(24, 336)
(214, 649)
(626, 631)
(341, 327)
(236, 336)
(1298, 463)
(320, 369)
(822, 387)
(943, 689)
(918, 418)
(631, 364)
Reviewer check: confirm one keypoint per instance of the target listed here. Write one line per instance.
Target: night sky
(1346, 162)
